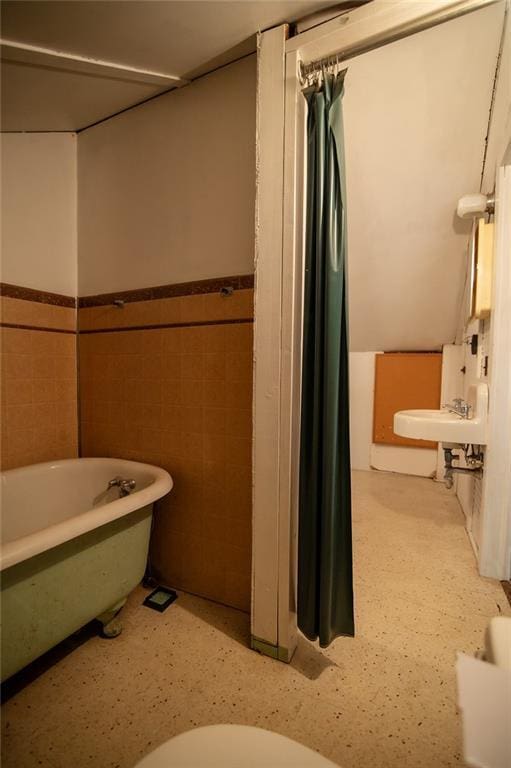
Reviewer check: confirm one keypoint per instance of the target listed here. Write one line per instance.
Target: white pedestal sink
(446, 427)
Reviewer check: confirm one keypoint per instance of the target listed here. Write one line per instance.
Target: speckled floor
(385, 698)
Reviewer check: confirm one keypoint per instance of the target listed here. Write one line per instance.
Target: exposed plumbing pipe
(475, 469)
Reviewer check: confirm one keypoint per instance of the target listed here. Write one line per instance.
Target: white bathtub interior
(42, 495)
(44, 505)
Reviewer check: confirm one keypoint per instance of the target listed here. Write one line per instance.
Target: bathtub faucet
(125, 485)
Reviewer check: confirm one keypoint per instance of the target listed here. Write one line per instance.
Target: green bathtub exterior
(48, 597)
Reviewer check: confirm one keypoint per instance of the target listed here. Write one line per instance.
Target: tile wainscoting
(39, 411)
(167, 379)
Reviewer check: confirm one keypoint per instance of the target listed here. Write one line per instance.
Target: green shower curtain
(325, 575)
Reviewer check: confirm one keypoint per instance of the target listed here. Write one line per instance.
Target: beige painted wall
(500, 129)
(361, 368)
(416, 117)
(469, 490)
(39, 211)
(166, 190)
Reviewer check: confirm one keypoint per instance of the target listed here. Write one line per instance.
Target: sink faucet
(125, 485)
(460, 407)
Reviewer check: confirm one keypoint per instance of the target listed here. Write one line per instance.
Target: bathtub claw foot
(112, 626)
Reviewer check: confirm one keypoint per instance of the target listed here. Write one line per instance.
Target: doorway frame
(279, 255)
(495, 524)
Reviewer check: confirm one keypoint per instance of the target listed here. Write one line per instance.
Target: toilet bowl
(233, 746)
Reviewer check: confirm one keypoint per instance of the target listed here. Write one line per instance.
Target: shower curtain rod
(308, 72)
(312, 70)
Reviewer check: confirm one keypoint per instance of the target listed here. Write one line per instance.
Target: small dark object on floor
(160, 598)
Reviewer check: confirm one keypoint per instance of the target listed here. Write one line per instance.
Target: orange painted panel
(404, 380)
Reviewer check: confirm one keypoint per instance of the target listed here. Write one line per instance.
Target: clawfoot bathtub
(74, 545)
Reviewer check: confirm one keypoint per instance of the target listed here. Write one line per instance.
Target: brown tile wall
(23, 312)
(39, 383)
(180, 397)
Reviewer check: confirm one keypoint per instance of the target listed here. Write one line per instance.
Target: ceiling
(42, 92)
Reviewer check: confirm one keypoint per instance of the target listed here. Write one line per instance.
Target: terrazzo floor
(384, 698)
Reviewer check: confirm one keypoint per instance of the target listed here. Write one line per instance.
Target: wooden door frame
(495, 530)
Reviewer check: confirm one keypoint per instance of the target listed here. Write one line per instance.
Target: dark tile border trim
(160, 326)
(173, 290)
(42, 297)
(36, 328)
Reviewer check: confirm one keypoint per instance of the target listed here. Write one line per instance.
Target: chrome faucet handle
(125, 485)
(459, 407)
(456, 403)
